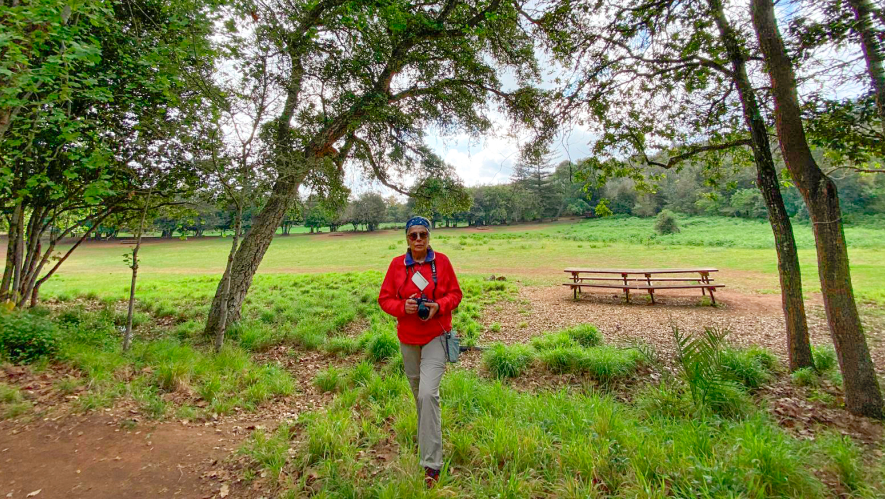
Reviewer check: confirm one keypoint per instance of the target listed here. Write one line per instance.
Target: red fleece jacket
(398, 286)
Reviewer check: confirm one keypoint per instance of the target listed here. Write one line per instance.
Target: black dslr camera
(423, 310)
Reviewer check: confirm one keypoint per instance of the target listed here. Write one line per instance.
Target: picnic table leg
(651, 292)
(627, 291)
(705, 279)
(575, 291)
(712, 298)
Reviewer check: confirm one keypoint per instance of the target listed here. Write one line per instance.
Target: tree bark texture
(872, 51)
(798, 342)
(862, 394)
(13, 254)
(221, 327)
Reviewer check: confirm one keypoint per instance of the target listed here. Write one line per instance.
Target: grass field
(742, 249)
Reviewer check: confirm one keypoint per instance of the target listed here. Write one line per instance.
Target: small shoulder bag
(450, 340)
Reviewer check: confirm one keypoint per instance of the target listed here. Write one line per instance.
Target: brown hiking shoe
(431, 476)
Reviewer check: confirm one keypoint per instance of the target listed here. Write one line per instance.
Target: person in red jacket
(426, 275)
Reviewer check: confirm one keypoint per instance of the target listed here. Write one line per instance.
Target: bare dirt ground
(55, 452)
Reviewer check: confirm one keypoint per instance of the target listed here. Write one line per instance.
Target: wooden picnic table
(587, 277)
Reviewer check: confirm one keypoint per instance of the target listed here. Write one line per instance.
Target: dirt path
(91, 456)
(63, 454)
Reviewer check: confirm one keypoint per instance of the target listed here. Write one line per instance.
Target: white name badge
(419, 280)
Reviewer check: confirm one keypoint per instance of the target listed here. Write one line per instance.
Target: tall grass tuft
(585, 335)
(824, 358)
(845, 460)
(329, 379)
(750, 367)
(552, 341)
(505, 361)
(382, 346)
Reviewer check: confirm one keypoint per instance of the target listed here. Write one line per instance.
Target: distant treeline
(533, 194)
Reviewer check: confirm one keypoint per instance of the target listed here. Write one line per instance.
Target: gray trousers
(424, 366)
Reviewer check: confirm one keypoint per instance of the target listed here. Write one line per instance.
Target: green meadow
(609, 421)
(742, 249)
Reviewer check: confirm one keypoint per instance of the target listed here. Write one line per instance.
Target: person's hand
(434, 308)
(411, 305)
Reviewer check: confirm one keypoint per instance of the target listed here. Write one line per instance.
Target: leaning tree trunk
(872, 51)
(798, 343)
(862, 394)
(249, 255)
(221, 326)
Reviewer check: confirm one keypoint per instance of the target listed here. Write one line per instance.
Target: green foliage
(603, 363)
(342, 345)
(845, 460)
(750, 367)
(507, 361)
(824, 358)
(552, 341)
(585, 335)
(606, 363)
(711, 384)
(329, 379)
(330, 437)
(602, 210)
(805, 376)
(382, 346)
(26, 337)
(666, 224)
(566, 359)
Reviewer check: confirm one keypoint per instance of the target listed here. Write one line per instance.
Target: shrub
(507, 361)
(585, 335)
(25, 338)
(666, 223)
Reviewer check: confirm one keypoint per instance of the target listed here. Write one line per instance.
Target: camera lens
(423, 311)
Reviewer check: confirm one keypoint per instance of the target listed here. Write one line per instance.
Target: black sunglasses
(414, 236)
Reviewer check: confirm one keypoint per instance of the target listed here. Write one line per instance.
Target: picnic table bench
(642, 279)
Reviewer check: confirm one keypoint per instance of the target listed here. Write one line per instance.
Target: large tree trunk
(221, 325)
(798, 343)
(872, 51)
(862, 394)
(249, 255)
